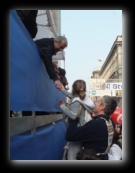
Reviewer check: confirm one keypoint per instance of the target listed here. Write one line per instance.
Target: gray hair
(58, 39)
(109, 103)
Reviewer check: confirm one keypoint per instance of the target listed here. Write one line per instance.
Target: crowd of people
(91, 132)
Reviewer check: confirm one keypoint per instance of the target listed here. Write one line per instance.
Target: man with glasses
(47, 48)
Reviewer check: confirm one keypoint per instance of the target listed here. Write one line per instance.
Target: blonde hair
(79, 88)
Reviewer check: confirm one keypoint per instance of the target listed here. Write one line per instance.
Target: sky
(90, 34)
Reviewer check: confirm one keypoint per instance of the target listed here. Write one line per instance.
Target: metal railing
(22, 124)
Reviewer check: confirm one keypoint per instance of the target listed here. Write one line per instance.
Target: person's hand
(59, 85)
(62, 87)
(61, 102)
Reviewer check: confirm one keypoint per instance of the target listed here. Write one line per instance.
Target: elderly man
(47, 48)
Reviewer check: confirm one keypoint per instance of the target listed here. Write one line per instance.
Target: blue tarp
(30, 86)
(32, 90)
(46, 144)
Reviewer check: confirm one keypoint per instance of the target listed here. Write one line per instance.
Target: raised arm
(72, 112)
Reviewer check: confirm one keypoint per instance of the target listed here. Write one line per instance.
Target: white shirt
(115, 152)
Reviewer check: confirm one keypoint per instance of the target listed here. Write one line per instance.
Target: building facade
(110, 73)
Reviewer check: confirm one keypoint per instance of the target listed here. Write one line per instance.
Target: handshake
(59, 85)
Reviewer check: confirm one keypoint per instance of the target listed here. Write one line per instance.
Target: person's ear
(102, 108)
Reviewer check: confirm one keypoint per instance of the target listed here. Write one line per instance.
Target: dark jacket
(28, 17)
(93, 134)
(47, 50)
